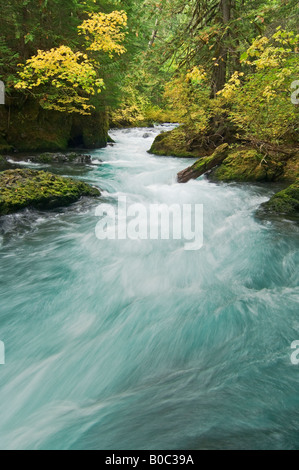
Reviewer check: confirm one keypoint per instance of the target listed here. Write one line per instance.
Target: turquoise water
(141, 344)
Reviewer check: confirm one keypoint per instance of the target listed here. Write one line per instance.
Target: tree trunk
(154, 34)
(24, 48)
(156, 28)
(219, 78)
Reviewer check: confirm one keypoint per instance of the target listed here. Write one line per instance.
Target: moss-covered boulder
(249, 165)
(291, 169)
(177, 143)
(285, 202)
(204, 165)
(26, 127)
(89, 132)
(40, 190)
(4, 146)
(188, 141)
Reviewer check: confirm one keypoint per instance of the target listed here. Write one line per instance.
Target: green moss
(44, 158)
(201, 164)
(31, 128)
(174, 143)
(285, 202)
(91, 132)
(28, 128)
(291, 170)
(248, 165)
(38, 189)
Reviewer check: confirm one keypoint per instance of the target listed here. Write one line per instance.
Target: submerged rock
(56, 158)
(20, 189)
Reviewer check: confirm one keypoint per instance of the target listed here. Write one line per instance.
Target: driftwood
(203, 165)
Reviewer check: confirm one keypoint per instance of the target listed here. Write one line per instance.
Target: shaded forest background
(222, 68)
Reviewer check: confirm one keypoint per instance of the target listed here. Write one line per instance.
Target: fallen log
(204, 164)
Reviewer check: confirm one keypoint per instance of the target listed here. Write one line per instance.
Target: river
(127, 344)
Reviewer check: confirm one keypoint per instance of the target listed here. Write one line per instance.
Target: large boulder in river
(40, 190)
(245, 164)
(176, 143)
(285, 202)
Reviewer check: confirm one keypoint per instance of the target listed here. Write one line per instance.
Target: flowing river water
(140, 344)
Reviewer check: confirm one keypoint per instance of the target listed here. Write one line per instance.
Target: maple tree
(64, 80)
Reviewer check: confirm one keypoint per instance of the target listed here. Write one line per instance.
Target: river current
(121, 344)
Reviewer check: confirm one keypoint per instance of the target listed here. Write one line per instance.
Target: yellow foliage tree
(59, 74)
(260, 103)
(103, 32)
(65, 80)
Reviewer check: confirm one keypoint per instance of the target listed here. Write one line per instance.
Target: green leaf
(244, 56)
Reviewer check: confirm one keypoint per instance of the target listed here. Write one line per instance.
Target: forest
(227, 71)
(222, 69)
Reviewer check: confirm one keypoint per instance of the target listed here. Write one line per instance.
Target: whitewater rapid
(140, 344)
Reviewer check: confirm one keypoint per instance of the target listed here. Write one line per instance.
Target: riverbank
(242, 162)
(27, 127)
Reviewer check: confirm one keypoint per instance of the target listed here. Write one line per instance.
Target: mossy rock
(20, 189)
(285, 202)
(32, 128)
(89, 132)
(248, 165)
(291, 170)
(175, 144)
(71, 158)
(26, 127)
